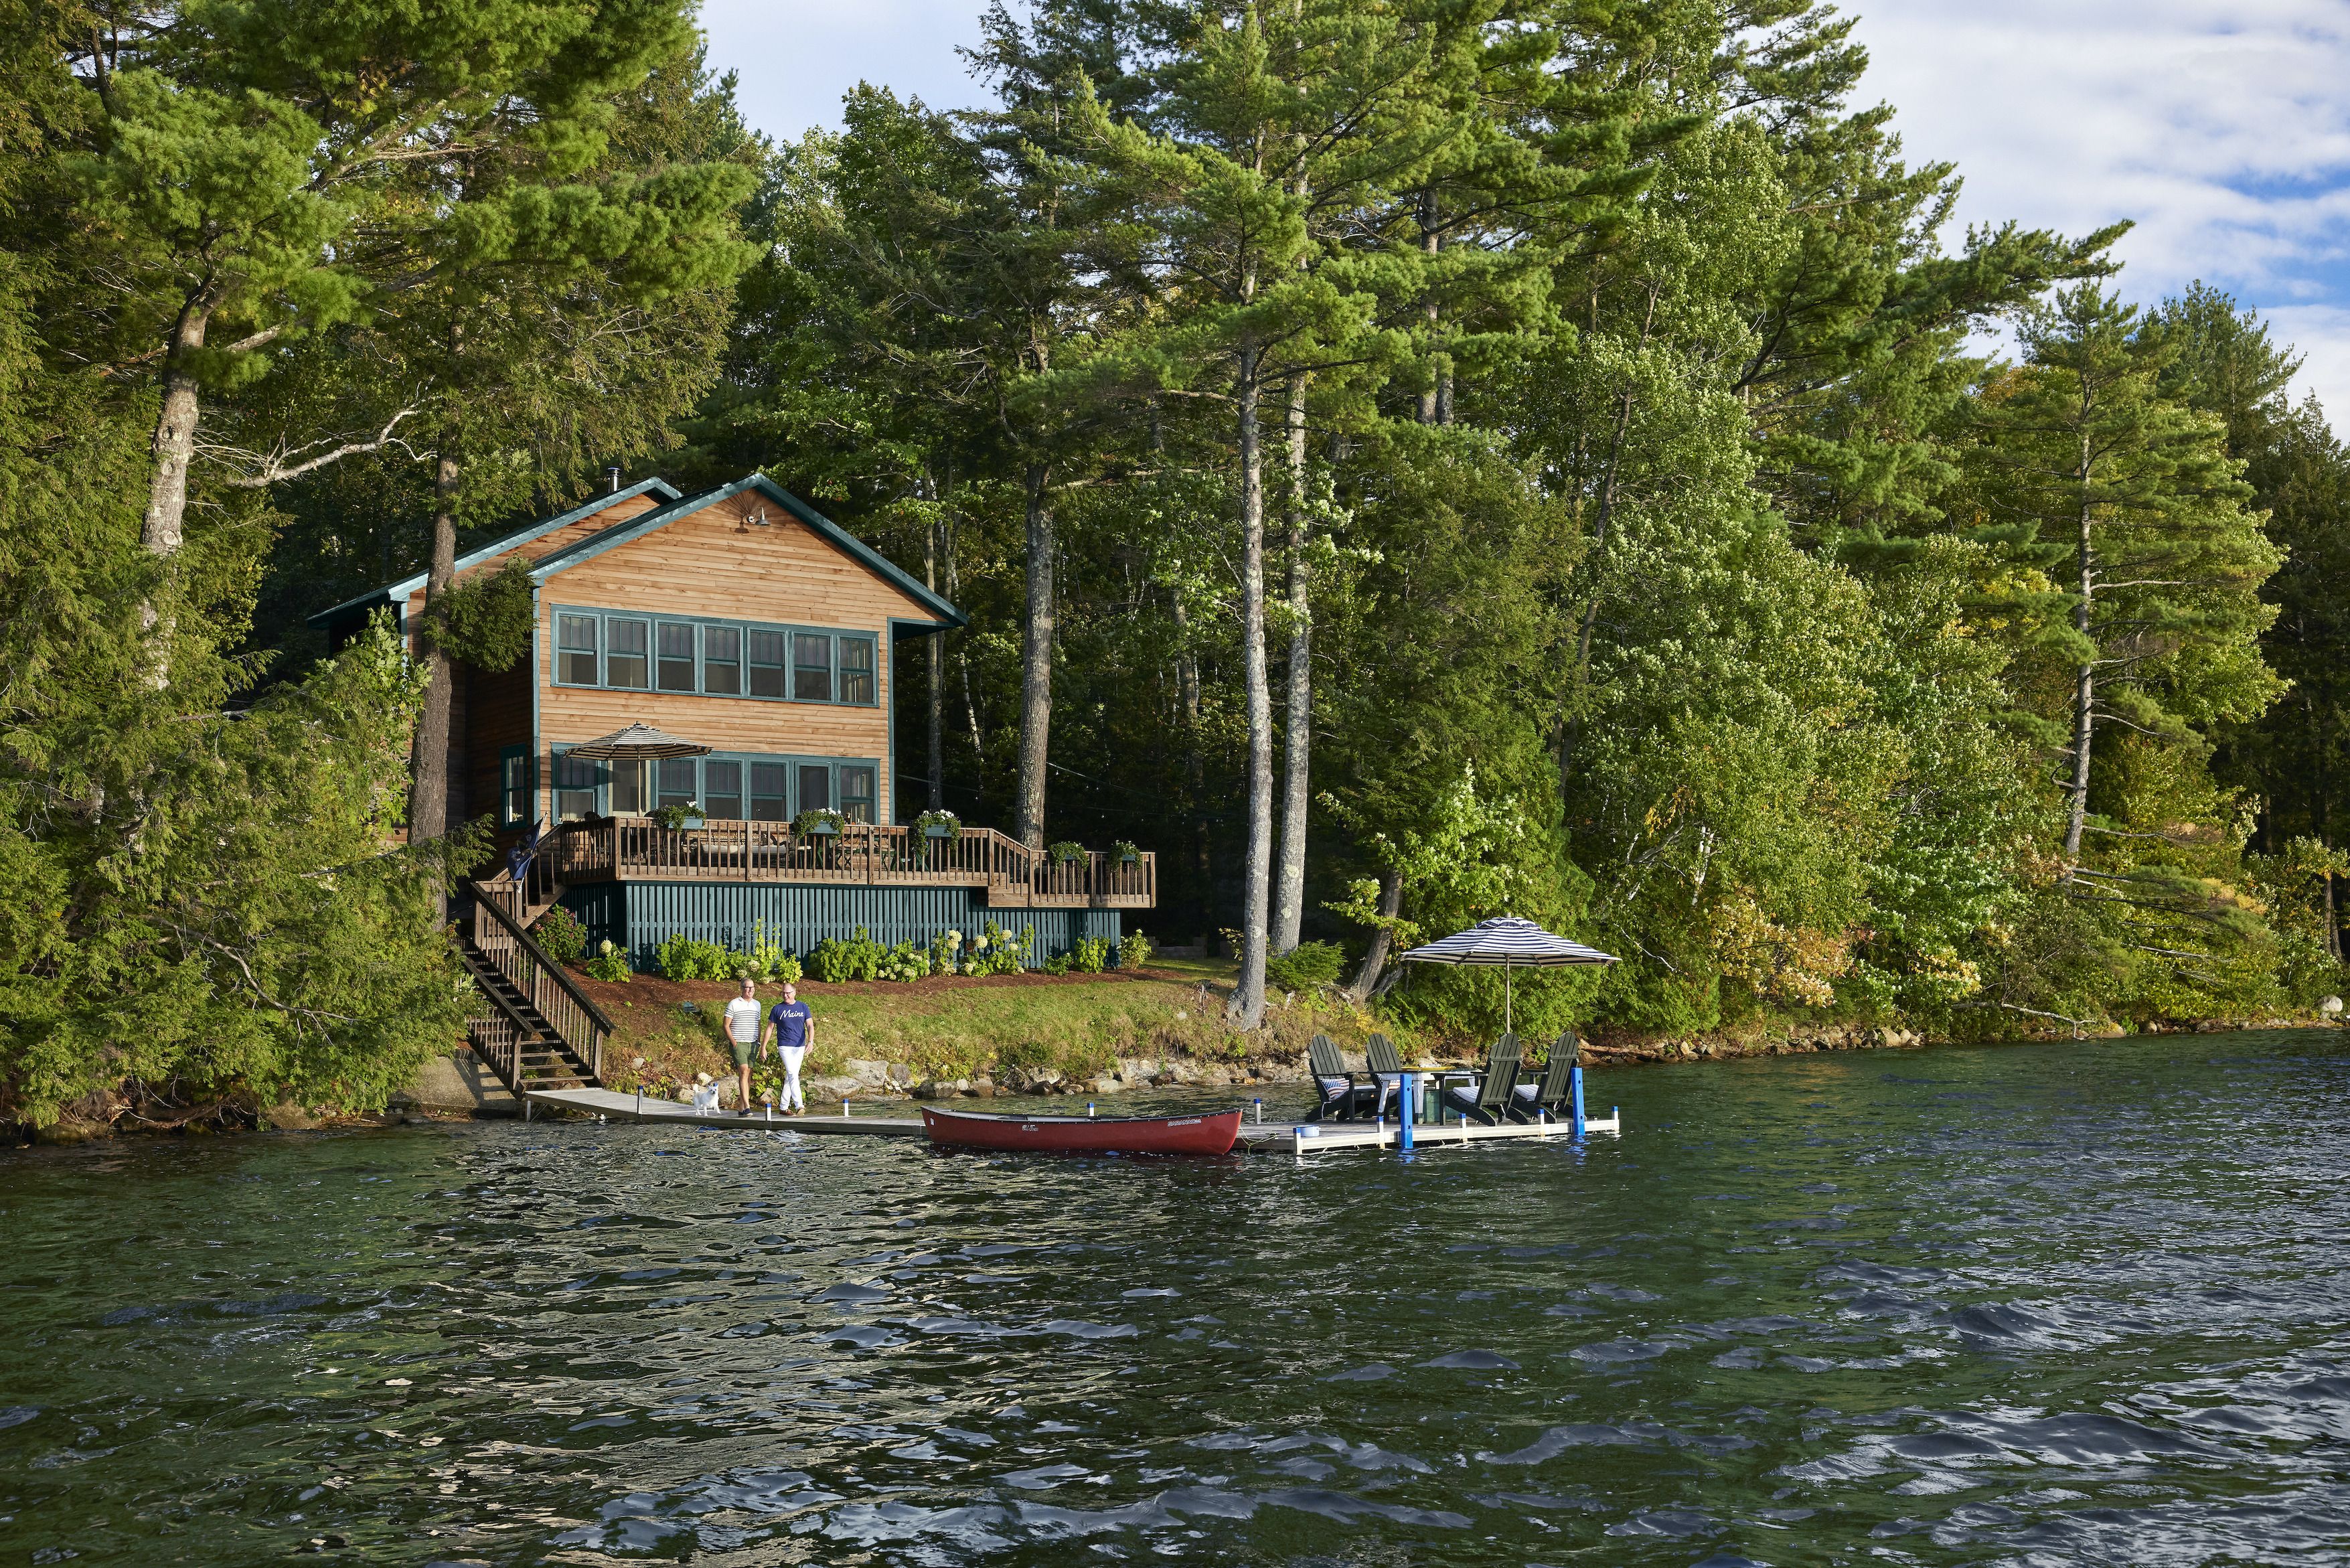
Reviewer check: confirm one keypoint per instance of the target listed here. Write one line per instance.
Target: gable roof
(633, 528)
(397, 593)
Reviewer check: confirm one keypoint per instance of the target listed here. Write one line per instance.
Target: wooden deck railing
(861, 854)
(503, 941)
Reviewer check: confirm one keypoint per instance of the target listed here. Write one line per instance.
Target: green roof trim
(832, 533)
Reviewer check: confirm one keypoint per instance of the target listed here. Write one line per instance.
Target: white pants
(791, 1056)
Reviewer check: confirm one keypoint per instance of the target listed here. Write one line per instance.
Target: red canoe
(1085, 1135)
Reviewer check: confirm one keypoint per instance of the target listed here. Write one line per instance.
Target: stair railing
(550, 988)
(498, 1038)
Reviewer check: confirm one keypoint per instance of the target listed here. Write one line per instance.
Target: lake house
(746, 624)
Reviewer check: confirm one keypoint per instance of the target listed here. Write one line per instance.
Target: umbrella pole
(1506, 1025)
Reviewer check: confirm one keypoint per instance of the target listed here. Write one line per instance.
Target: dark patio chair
(1333, 1077)
(1490, 1101)
(1552, 1096)
(1386, 1068)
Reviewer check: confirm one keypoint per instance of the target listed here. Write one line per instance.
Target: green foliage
(610, 963)
(837, 960)
(1065, 851)
(1305, 966)
(561, 934)
(949, 825)
(1089, 955)
(681, 957)
(1133, 950)
(820, 820)
(486, 621)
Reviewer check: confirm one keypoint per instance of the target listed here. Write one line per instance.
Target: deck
(1008, 873)
(1256, 1137)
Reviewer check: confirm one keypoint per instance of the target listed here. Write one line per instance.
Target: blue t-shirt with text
(790, 1021)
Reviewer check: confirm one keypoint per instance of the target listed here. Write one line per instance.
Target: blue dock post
(1575, 1092)
(1410, 1096)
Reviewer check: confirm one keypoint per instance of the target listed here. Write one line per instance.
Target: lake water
(2076, 1305)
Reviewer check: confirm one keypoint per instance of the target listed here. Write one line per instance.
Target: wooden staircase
(532, 1025)
(518, 1042)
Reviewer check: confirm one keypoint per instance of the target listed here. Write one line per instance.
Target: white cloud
(2221, 126)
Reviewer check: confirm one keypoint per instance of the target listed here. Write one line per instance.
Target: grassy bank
(1005, 1028)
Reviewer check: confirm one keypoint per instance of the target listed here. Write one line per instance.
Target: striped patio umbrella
(1509, 940)
(640, 741)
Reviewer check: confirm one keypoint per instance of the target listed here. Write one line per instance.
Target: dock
(1297, 1139)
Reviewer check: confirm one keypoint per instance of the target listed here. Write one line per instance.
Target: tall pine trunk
(1246, 1009)
(1036, 663)
(428, 790)
(937, 648)
(163, 526)
(1289, 888)
(2085, 688)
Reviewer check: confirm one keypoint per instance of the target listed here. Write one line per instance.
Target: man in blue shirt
(793, 1028)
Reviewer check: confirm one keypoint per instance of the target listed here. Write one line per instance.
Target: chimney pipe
(613, 475)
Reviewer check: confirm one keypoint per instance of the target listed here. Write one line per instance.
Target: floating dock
(1299, 1139)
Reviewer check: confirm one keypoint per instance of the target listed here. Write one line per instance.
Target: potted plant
(1127, 851)
(1067, 851)
(939, 824)
(819, 823)
(676, 817)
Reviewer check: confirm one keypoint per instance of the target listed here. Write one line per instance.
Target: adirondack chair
(1385, 1070)
(1529, 1101)
(1333, 1077)
(1490, 1101)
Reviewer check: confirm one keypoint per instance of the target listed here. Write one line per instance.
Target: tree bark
(1246, 1009)
(2084, 690)
(1436, 402)
(1037, 664)
(428, 795)
(1289, 888)
(938, 682)
(1195, 772)
(1358, 989)
(162, 528)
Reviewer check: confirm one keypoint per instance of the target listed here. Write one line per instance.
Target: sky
(2222, 128)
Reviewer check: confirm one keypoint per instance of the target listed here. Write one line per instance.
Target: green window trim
(771, 786)
(700, 656)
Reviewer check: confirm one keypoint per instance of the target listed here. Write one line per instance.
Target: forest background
(1403, 464)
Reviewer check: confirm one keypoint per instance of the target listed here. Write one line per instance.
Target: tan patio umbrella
(638, 742)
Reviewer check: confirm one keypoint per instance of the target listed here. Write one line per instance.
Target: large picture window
(722, 789)
(574, 787)
(771, 799)
(676, 782)
(856, 791)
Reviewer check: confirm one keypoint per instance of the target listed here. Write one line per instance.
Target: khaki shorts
(745, 1052)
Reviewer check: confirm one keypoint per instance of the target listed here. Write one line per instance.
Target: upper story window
(625, 666)
(675, 667)
(811, 667)
(717, 659)
(575, 641)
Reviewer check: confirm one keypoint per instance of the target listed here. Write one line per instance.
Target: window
(574, 787)
(857, 793)
(624, 664)
(722, 660)
(513, 787)
(673, 670)
(575, 663)
(627, 787)
(722, 790)
(768, 801)
(857, 669)
(811, 667)
(815, 787)
(766, 664)
(676, 781)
